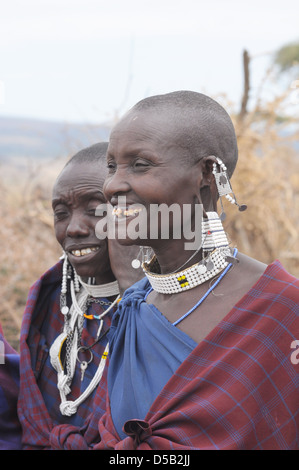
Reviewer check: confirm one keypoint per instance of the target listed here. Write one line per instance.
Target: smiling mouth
(84, 251)
(123, 212)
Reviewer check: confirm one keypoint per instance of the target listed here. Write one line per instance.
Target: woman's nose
(116, 185)
(77, 226)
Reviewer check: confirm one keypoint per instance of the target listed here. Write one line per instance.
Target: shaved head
(94, 153)
(198, 125)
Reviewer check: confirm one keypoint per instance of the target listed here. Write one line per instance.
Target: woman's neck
(100, 279)
(173, 256)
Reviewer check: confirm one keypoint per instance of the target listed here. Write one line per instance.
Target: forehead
(81, 176)
(141, 129)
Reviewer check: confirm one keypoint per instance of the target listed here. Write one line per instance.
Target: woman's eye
(92, 211)
(93, 205)
(60, 215)
(60, 211)
(141, 164)
(111, 166)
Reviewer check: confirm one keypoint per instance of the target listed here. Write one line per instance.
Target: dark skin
(146, 167)
(120, 260)
(143, 169)
(76, 195)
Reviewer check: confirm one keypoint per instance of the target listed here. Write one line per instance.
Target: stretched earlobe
(208, 199)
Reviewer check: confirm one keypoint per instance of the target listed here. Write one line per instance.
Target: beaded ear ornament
(224, 187)
(143, 256)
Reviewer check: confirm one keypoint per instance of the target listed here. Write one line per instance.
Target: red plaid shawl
(10, 428)
(238, 389)
(42, 428)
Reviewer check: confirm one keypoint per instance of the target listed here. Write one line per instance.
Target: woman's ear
(208, 188)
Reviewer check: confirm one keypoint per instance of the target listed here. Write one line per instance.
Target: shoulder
(272, 278)
(267, 292)
(280, 282)
(275, 296)
(52, 276)
(278, 275)
(45, 289)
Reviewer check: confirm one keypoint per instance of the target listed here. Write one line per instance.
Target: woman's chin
(85, 274)
(91, 267)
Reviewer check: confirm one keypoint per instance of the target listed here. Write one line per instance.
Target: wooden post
(245, 98)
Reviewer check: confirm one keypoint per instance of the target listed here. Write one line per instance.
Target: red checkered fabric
(238, 389)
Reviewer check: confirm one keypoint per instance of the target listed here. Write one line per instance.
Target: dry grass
(26, 235)
(267, 179)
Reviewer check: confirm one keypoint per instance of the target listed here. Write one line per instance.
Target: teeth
(119, 212)
(84, 251)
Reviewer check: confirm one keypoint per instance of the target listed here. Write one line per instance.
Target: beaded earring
(213, 238)
(224, 187)
(143, 256)
(213, 234)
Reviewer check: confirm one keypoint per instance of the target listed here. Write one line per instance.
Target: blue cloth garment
(148, 350)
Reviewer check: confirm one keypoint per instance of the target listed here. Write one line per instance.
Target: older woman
(68, 313)
(200, 348)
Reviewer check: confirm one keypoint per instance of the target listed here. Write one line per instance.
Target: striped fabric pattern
(10, 428)
(237, 390)
(44, 427)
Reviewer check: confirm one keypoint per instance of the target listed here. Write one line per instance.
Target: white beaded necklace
(72, 327)
(216, 257)
(101, 290)
(189, 277)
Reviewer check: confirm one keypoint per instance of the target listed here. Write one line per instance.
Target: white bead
(65, 310)
(136, 263)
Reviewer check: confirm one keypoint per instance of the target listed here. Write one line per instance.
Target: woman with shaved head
(199, 348)
(63, 343)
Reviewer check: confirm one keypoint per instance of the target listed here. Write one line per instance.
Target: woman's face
(145, 167)
(76, 195)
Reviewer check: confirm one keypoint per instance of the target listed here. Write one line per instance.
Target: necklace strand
(187, 278)
(207, 293)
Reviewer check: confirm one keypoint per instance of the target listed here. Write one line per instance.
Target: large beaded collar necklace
(189, 277)
(216, 257)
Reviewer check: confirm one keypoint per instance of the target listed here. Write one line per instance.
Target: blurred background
(70, 68)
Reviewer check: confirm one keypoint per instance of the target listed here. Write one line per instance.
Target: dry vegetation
(26, 235)
(267, 179)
